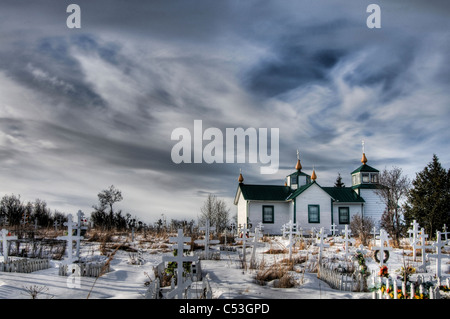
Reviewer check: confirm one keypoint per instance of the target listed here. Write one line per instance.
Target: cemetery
(199, 263)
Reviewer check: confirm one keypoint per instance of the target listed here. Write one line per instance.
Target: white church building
(310, 205)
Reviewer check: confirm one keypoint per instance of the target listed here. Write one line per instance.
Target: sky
(85, 108)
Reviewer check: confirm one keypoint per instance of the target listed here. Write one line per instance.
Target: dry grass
(278, 273)
(294, 260)
(272, 251)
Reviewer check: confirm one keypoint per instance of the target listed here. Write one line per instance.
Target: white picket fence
(197, 290)
(24, 265)
(340, 281)
(90, 269)
(399, 289)
(195, 274)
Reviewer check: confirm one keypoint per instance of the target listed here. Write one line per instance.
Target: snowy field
(228, 279)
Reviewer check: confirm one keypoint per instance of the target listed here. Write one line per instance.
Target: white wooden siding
(374, 205)
(354, 208)
(282, 215)
(241, 210)
(314, 195)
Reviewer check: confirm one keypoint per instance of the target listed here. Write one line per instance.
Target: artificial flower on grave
(444, 288)
(359, 257)
(383, 272)
(445, 291)
(406, 273)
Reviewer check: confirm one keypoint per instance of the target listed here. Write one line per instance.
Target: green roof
(265, 192)
(344, 194)
(301, 189)
(299, 173)
(284, 193)
(365, 168)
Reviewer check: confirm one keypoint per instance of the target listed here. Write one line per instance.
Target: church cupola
(298, 178)
(365, 176)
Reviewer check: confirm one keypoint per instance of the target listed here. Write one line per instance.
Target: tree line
(15, 212)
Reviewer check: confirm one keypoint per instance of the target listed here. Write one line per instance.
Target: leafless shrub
(35, 290)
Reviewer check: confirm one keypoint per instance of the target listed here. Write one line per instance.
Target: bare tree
(215, 210)
(107, 198)
(361, 227)
(394, 188)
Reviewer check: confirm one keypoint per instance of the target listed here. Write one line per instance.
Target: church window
(344, 215)
(365, 178)
(313, 214)
(374, 178)
(294, 179)
(268, 214)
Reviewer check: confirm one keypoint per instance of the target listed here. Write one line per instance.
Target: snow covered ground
(227, 278)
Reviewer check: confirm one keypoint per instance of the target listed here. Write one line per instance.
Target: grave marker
(244, 239)
(374, 230)
(347, 239)
(438, 255)
(254, 245)
(413, 236)
(206, 242)
(179, 259)
(70, 238)
(444, 232)
(79, 227)
(322, 245)
(382, 249)
(422, 247)
(232, 228)
(333, 230)
(5, 239)
(290, 229)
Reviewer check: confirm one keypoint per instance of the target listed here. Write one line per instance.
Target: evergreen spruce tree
(429, 198)
(339, 182)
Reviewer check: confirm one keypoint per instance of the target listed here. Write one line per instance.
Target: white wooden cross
(260, 227)
(444, 232)
(70, 238)
(313, 231)
(232, 228)
(382, 248)
(5, 239)
(79, 227)
(244, 239)
(290, 229)
(179, 259)
(333, 229)
(361, 250)
(413, 236)
(322, 245)
(347, 239)
(374, 230)
(206, 242)
(438, 255)
(24, 219)
(255, 244)
(422, 247)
